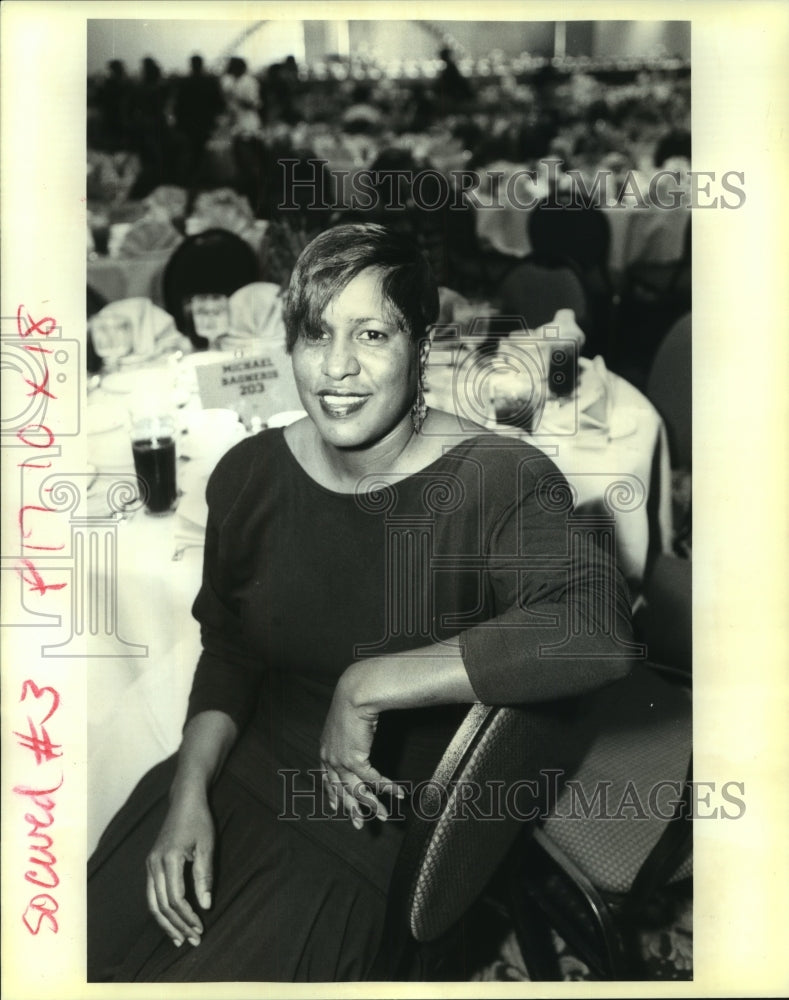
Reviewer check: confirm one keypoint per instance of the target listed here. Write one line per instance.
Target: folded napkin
(147, 236)
(135, 330)
(450, 302)
(224, 208)
(539, 341)
(256, 313)
(564, 321)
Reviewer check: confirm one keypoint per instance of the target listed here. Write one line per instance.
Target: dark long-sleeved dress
(298, 582)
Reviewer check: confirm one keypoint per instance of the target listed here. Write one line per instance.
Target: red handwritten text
(42, 907)
(31, 326)
(39, 436)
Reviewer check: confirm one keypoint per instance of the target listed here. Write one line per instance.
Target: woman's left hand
(346, 741)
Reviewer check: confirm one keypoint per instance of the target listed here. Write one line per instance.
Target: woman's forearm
(206, 743)
(432, 675)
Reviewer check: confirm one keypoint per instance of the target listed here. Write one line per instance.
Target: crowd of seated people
(171, 156)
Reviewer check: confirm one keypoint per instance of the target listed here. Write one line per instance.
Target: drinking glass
(153, 448)
(112, 339)
(211, 316)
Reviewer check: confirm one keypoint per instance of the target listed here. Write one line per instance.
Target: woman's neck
(347, 466)
(400, 454)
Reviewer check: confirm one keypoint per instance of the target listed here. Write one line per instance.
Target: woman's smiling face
(357, 378)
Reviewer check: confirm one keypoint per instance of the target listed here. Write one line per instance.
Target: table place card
(255, 385)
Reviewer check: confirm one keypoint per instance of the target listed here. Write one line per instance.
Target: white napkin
(540, 341)
(256, 314)
(148, 329)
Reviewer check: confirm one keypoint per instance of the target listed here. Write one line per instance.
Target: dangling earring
(419, 409)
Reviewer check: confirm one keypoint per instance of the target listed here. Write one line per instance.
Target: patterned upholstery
(456, 858)
(637, 766)
(450, 859)
(638, 735)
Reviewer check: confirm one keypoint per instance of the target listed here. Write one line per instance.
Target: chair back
(667, 616)
(536, 291)
(493, 778)
(669, 387)
(505, 770)
(572, 232)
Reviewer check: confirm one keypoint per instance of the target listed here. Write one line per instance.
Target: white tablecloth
(625, 471)
(141, 669)
(137, 704)
(649, 233)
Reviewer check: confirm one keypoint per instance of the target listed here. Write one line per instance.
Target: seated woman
(369, 571)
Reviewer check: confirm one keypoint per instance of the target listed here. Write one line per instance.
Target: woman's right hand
(187, 836)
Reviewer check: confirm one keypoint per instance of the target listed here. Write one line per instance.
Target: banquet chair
(572, 868)
(580, 236)
(669, 389)
(665, 620)
(572, 232)
(600, 876)
(536, 291)
(654, 295)
(473, 269)
(213, 262)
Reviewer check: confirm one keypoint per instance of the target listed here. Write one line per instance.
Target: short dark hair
(337, 256)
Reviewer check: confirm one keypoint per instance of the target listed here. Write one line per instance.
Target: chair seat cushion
(612, 811)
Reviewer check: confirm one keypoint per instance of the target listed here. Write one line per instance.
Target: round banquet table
(624, 471)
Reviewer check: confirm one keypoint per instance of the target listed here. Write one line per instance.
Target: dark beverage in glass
(101, 240)
(154, 463)
(515, 413)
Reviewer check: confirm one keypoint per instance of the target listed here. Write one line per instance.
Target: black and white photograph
(384, 601)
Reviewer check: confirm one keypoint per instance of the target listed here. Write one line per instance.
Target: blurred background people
(198, 103)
